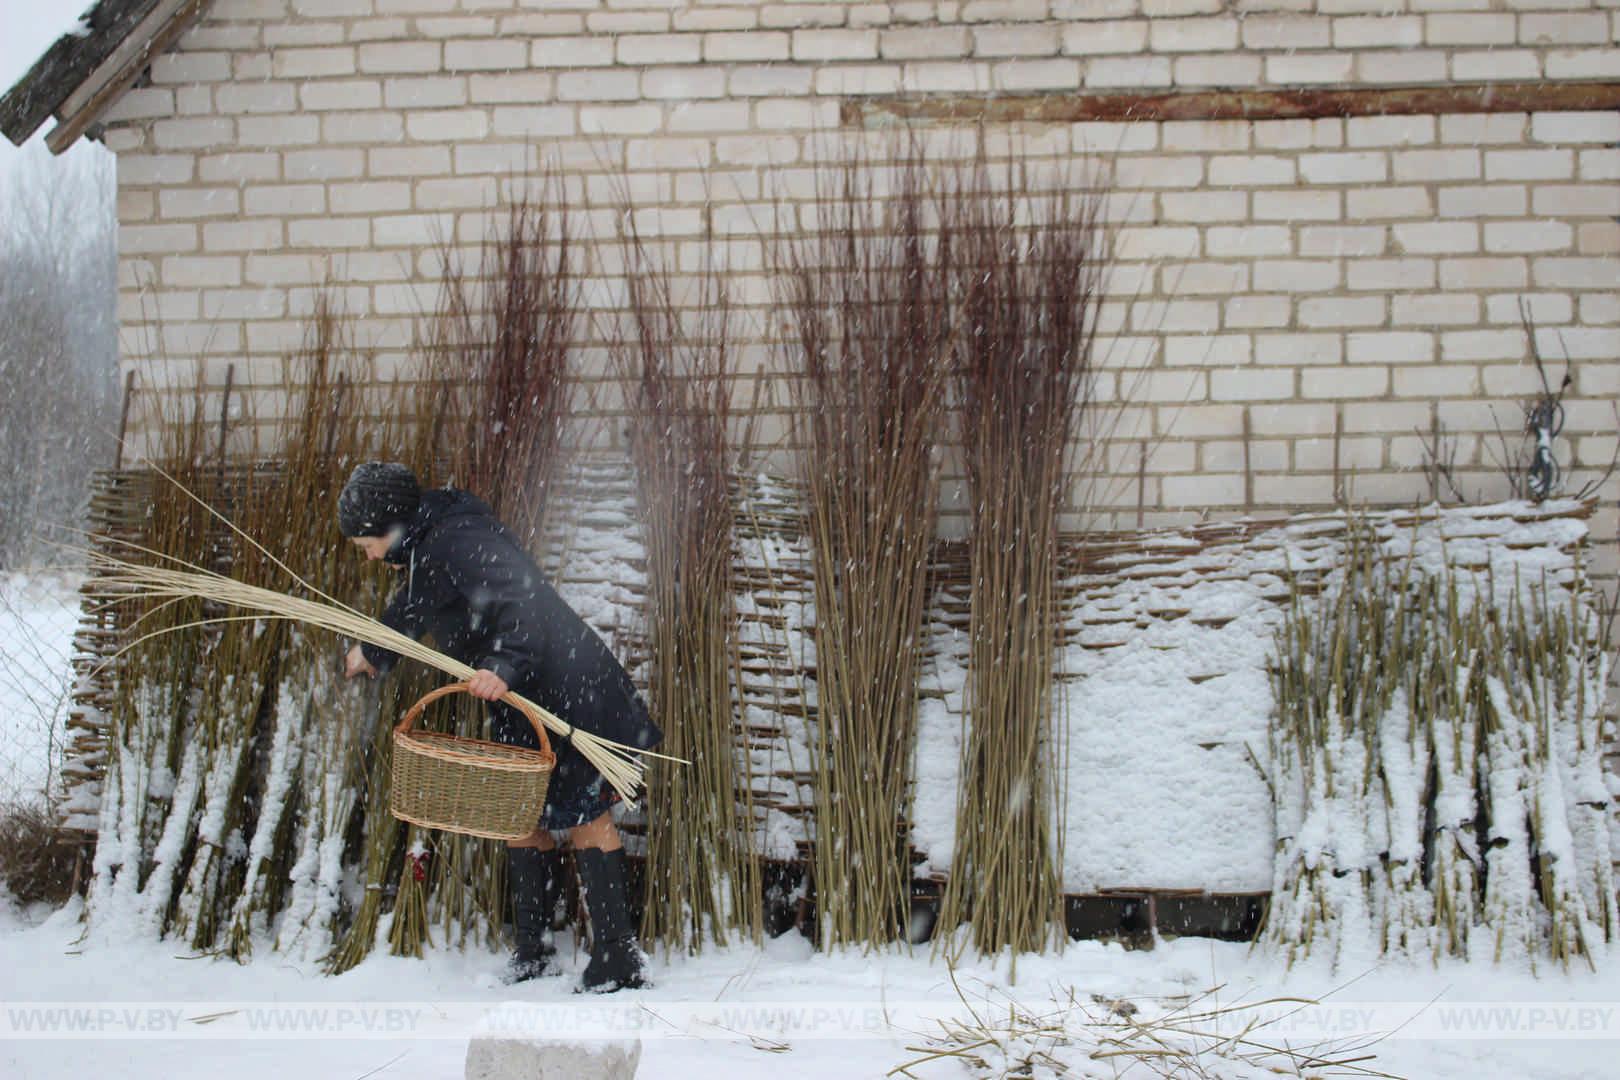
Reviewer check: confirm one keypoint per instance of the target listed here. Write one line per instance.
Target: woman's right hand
(355, 663)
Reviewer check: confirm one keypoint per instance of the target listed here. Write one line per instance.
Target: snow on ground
(738, 1013)
(38, 614)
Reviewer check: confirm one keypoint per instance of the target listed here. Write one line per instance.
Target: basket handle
(415, 711)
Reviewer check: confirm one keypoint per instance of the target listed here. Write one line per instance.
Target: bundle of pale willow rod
(116, 579)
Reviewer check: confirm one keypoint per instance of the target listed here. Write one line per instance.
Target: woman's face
(375, 547)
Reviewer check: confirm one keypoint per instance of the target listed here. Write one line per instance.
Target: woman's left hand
(487, 685)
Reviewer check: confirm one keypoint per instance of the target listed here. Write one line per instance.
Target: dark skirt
(578, 793)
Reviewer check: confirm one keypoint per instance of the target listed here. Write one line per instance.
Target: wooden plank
(156, 32)
(1290, 104)
(65, 65)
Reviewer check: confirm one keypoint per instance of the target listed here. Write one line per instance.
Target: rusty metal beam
(1299, 104)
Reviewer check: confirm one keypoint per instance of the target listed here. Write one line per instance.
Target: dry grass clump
(868, 320)
(1026, 279)
(676, 363)
(37, 855)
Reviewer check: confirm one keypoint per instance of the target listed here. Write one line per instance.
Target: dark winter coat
(469, 585)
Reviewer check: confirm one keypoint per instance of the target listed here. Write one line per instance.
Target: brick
(1388, 347)
(1341, 311)
(1297, 205)
(1437, 237)
(156, 239)
(1207, 279)
(461, 193)
(1015, 76)
(1583, 64)
(1219, 34)
(1152, 171)
(1216, 70)
(295, 130)
(487, 55)
(1429, 166)
(1498, 273)
(1387, 274)
(1208, 350)
(862, 78)
(329, 94)
(1480, 128)
(511, 87)
(1176, 8)
(1258, 312)
(303, 165)
(401, 57)
(180, 203)
(641, 119)
(1386, 416)
(1413, 66)
(1004, 10)
(1251, 170)
(1287, 31)
(1128, 71)
(1508, 237)
(1299, 349)
(1156, 242)
(327, 233)
(1343, 240)
(1435, 309)
(154, 169)
(684, 83)
(200, 270)
(572, 52)
(1324, 133)
(1477, 345)
(425, 92)
(385, 196)
(1489, 64)
(1388, 203)
(1201, 206)
(1577, 200)
(1390, 131)
(1248, 241)
(1344, 168)
(835, 45)
(1529, 164)
(1575, 127)
(1599, 164)
(1564, 28)
(1306, 69)
(1344, 384)
(1470, 28)
(536, 121)
(1432, 382)
(1169, 316)
(1546, 309)
(193, 133)
(1202, 490)
(1015, 40)
(1207, 135)
(282, 200)
(1498, 200)
(769, 81)
(372, 126)
(1104, 38)
(1297, 275)
(1378, 32)
(169, 69)
(660, 49)
(238, 167)
(1246, 384)
(599, 84)
(313, 63)
(743, 47)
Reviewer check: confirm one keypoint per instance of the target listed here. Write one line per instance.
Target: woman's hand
(487, 685)
(355, 663)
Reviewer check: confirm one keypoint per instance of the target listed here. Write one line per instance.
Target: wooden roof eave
(83, 74)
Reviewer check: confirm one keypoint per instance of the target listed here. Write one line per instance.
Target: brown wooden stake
(1248, 465)
(1338, 439)
(123, 421)
(1434, 443)
(1141, 479)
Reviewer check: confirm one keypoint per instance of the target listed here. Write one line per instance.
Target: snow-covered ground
(140, 1009)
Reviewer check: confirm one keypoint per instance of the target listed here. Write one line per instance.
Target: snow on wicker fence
(1168, 761)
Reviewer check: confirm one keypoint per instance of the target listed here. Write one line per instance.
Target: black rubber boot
(534, 880)
(616, 962)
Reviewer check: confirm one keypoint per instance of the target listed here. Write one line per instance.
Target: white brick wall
(1303, 274)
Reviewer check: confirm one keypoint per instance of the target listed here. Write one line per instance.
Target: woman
(472, 587)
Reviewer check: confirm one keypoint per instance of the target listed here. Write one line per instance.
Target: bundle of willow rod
(699, 865)
(118, 579)
(869, 330)
(500, 349)
(1026, 278)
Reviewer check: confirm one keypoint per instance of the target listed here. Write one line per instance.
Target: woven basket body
(468, 786)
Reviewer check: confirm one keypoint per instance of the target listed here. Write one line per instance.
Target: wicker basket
(468, 786)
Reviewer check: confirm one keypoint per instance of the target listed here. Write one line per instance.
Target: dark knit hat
(379, 494)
